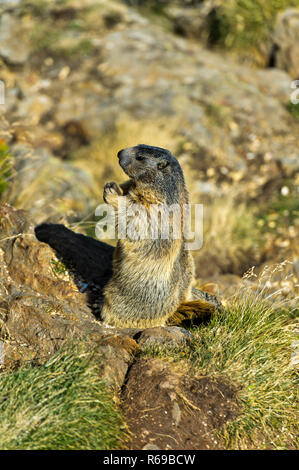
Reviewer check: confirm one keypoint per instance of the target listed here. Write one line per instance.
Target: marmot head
(155, 168)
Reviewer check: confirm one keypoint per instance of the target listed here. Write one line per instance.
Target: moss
(218, 114)
(47, 39)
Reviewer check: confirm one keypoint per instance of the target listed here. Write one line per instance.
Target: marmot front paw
(111, 192)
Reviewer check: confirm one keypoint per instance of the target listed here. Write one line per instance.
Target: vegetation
(239, 25)
(58, 268)
(281, 213)
(232, 238)
(293, 109)
(5, 166)
(243, 23)
(62, 404)
(46, 39)
(250, 343)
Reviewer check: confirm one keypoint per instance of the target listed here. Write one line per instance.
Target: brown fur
(151, 279)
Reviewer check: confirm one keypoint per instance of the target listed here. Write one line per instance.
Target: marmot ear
(163, 164)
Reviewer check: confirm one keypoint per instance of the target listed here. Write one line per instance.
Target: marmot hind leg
(199, 309)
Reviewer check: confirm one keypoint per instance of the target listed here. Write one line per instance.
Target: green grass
(61, 37)
(62, 404)
(45, 38)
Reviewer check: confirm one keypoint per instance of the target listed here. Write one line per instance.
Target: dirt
(171, 411)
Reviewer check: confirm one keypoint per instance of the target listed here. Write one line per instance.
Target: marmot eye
(163, 164)
(139, 158)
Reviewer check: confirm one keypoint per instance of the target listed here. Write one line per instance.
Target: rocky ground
(86, 78)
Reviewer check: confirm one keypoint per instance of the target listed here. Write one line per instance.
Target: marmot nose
(124, 158)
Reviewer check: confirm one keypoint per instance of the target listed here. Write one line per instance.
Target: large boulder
(48, 187)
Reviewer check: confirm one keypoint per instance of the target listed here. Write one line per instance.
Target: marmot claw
(111, 189)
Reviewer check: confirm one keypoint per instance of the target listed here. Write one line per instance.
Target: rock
(42, 180)
(88, 108)
(9, 4)
(289, 164)
(5, 130)
(14, 45)
(151, 447)
(176, 413)
(286, 42)
(115, 365)
(171, 336)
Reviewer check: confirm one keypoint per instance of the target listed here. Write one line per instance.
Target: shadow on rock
(89, 260)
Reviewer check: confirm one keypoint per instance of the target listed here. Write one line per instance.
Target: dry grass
(232, 240)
